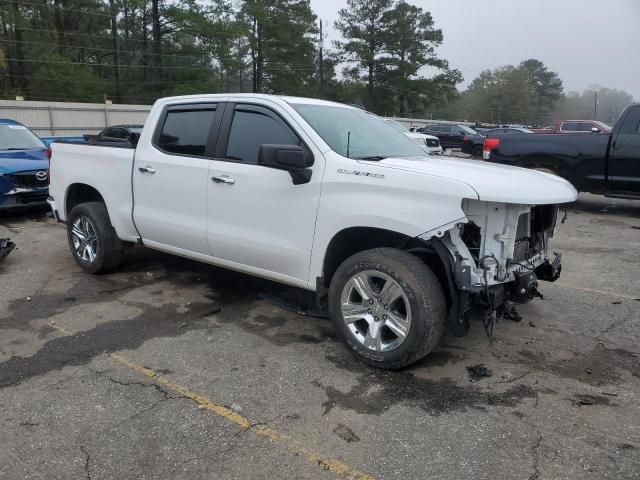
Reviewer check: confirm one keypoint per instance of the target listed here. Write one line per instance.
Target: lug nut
(386, 307)
(376, 319)
(369, 310)
(384, 317)
(371, 301)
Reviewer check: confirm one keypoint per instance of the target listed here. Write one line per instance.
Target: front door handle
(224, 179)
(147, 169)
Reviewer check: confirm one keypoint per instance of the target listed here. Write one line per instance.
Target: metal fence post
(51, 129)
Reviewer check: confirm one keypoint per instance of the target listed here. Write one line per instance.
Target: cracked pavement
(220, 381)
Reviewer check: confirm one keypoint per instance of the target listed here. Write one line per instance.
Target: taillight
(48, 153)
(466, 139)
(488, 145)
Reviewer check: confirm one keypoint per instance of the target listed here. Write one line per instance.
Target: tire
(108, 249)
(477, 151)
(372, 340)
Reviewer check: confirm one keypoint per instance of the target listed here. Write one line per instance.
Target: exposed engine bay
(498, 257)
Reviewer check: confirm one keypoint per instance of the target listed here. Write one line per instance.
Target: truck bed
(579, 158)
(107, 168)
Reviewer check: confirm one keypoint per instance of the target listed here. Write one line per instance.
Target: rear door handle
(147, 169)
(224, 179)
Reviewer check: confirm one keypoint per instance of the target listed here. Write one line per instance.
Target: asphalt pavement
(168, 368)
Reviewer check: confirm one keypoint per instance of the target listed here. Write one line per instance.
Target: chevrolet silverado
(397, 244)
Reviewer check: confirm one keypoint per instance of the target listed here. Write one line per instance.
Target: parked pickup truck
(602, 163)
(575, 126)
(322, 196)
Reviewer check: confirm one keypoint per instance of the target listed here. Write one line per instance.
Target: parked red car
(576, 126)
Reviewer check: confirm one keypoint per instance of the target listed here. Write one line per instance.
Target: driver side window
(253, 126)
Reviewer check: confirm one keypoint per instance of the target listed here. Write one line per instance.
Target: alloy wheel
(376, 310)
(85, 239)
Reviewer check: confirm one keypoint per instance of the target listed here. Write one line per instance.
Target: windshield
(18, 137)
(603, 126)
(363, 134)
(397, 125)
(468, 130)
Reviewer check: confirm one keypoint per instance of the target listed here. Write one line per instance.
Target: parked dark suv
(450, 135)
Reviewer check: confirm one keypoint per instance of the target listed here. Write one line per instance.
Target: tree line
(135, 51)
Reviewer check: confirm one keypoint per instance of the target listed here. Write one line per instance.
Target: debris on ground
(531, 324)
(183, 308)
(6, 246)
(346, 433)
(476, 372)
(511, 313)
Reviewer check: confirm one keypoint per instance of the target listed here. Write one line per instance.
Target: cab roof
(236, 96)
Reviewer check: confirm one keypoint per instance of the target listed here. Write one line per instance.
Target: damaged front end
(497, 258)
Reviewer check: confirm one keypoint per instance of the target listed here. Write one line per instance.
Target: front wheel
(92, 239)
(388, 307)
(477, 151)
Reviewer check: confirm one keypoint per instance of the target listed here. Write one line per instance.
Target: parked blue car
(24, 167)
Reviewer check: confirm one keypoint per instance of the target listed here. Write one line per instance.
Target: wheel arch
(352, 240)
(546, 162)
(78, 193)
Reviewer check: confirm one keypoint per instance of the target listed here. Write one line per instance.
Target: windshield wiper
(371, 157)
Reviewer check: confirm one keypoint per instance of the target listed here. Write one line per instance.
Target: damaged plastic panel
(6, 246)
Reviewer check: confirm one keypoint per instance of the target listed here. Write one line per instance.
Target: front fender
(388, 199)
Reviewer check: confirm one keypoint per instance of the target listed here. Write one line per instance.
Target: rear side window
(570, 127)
(186, 130)
(253, 126)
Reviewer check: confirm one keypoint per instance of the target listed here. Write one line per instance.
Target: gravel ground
(172, 369)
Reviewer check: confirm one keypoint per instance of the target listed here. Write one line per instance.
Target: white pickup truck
(397, 244)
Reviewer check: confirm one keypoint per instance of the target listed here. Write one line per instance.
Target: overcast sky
(586, 41)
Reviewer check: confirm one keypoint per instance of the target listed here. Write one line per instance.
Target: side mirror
(595, 130)
(291, 158)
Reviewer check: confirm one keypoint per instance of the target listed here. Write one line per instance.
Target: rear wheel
(388, 307)
(477, 151)
(93, 241)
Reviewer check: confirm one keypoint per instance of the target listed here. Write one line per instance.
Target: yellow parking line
(601, 292)
(326, 463)
(323, 462)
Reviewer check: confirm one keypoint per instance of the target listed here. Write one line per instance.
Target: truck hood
(12, 161)
(492, 182)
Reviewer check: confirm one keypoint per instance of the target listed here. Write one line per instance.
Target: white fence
(62, 118)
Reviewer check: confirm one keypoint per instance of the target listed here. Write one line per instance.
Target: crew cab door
(259, 221)
(623, 168)
(171, 179)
